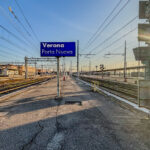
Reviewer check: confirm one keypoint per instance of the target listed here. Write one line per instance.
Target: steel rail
(23, 85)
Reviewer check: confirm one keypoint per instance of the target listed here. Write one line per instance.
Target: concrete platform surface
(81, 120)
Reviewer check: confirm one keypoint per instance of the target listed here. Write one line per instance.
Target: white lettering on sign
(63, 52)
(48, 52)
(56, 52)
(53, 45)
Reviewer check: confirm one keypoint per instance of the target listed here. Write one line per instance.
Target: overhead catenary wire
(14, 44)
(120, 38)
(5, 55)
(13, 13)
(11, 22)
(26, 20)
(114, 34)
(101, 25)
(117, 48)
(14, 35)
(5, 29)
(15, 26)
(114, 42)
(121, 46)
(9, 53)
(113, 18)
(16, 17)
(10, 50)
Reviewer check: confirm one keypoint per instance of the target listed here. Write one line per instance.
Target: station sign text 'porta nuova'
(58, 49)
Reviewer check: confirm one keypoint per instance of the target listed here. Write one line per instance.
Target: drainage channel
(73, 102)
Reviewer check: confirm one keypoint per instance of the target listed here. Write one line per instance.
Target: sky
(68, 20)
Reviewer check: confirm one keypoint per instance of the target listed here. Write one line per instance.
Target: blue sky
(66, 20)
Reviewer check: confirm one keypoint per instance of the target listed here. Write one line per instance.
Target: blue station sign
(58, 49)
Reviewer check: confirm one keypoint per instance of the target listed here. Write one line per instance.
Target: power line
(8, 41)
(26, 20)
(129, 44)
(113, 18)
(117, 48)
(2, 27)
(115, 41)
(12, 50)
(116, 32)
(15, 16)
(118, 39)
(11, 21)
(13, 13)
(5, 55)
(14, 25)
(8, 53)
(105, 21)
(24, 42)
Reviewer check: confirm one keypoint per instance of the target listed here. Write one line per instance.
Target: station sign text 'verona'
(58, 49)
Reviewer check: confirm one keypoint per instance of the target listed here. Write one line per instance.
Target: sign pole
(58, 81)
(78, 58)
(58, 49)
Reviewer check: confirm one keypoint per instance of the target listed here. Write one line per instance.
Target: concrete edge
(135, 106)
(18, 92)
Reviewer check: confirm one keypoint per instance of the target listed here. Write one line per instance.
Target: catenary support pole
(26, 67)
(42, 70)
(35, 69)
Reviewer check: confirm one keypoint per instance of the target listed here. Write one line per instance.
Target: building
(8, 70)
(15, 70)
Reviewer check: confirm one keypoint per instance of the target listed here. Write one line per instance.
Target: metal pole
(26, 67)
(58, 81)
(42, 69)
(35, 69)
(90, 67)
(96, 68)
(138, 61)
(139, 103)
(71, 68)
(64, 66)
(125, 62)
(78, 58)
(96, 71)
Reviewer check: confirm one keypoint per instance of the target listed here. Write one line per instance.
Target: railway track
(15, 85)
(120, 87)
